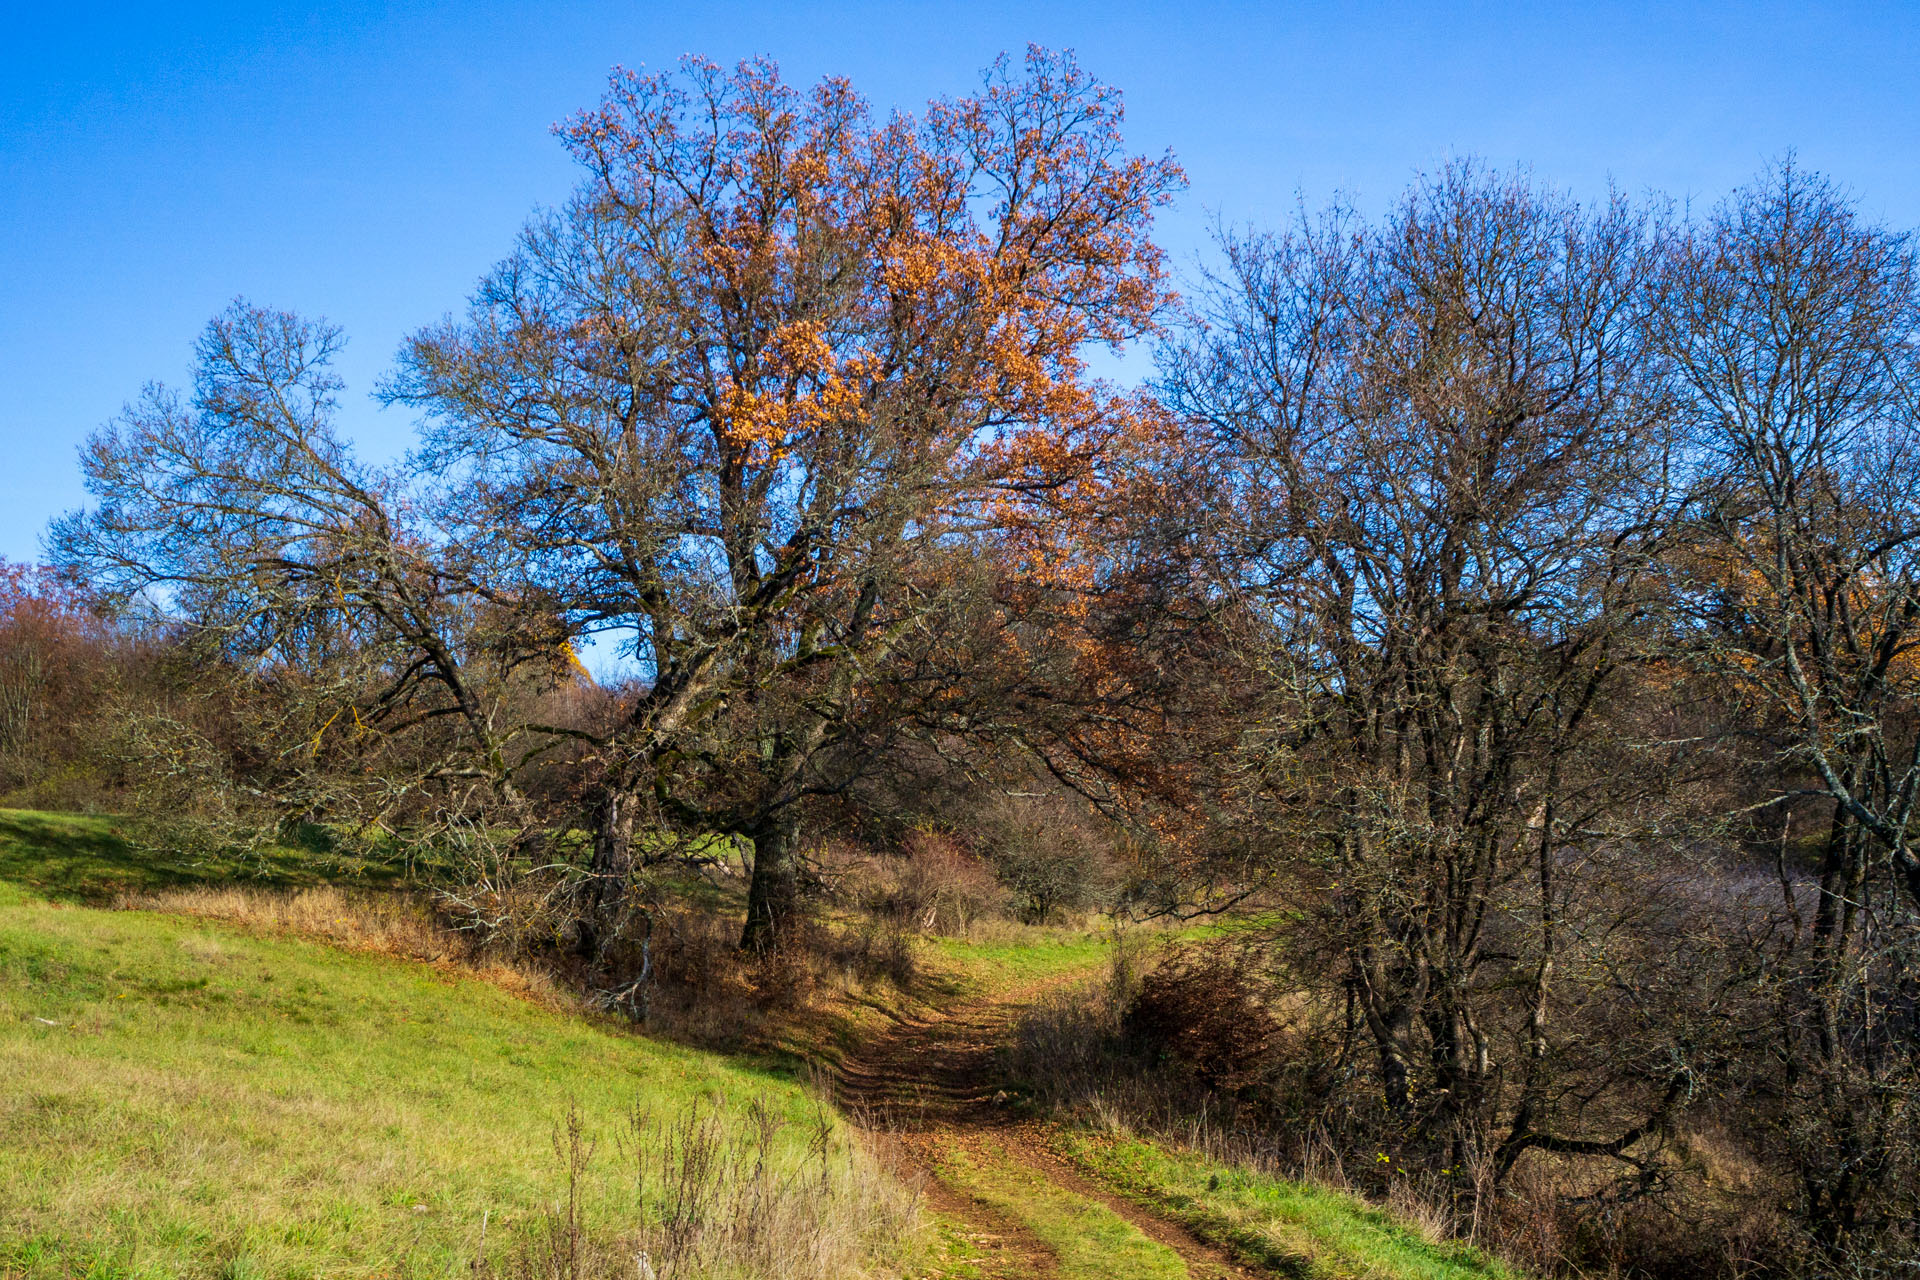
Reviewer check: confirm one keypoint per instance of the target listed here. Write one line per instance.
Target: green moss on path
(1091, 1241)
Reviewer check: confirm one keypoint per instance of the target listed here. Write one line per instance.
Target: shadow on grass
(95, 859)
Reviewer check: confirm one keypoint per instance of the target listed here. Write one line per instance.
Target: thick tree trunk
(610, 873)
(773, 897)
(1836, 1194)
(1391, 1022)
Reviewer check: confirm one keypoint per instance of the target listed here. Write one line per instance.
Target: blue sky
(366, 162)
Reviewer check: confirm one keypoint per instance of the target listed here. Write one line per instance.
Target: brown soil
(931, 1083)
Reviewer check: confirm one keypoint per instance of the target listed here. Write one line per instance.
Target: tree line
(1518, 595)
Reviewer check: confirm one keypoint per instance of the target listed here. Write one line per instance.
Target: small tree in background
(1051, 863)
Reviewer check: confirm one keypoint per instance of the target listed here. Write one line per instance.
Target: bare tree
(1440, 446)
(742, 405)
(240, 510)
(1794, 330)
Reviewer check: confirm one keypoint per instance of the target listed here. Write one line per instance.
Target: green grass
(1016, 955)
(1091, 1241)
(74, 858)
(1292, 1227)
(182, 1099)
(1023, 954)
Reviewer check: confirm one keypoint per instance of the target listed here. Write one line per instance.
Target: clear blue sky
(367, 161)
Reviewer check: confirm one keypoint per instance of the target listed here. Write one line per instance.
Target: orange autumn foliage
(911, 295)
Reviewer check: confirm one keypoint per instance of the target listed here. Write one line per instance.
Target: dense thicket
(1519, 597)
(1573, 549)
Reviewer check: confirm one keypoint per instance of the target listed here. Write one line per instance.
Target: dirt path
(931, 1085)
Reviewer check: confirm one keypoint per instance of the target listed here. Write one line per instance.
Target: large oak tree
(738, 406)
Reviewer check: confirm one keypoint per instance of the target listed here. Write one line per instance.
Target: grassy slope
(177, 1098)
(183, 1098)
(71, 858)
(1289, 1226)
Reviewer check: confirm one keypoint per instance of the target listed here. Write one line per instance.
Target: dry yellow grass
(377, 923)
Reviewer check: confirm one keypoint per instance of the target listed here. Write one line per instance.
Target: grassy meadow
(264, 1065)
(1291, 1226)
(182, 1098)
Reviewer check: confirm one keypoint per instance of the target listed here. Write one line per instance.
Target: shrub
(942, 888)
(931, 884)
(1069, 1051)
(718, 1192)
(1205, 1007)
(1049, 863)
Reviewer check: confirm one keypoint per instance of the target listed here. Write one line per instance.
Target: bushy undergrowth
(1204, 1052)
(669, 958)
(930, 883)
(1206, 1009)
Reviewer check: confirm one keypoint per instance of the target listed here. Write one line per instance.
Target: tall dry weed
(713, 1192)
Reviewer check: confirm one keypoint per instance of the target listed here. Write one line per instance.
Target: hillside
(185, 1097)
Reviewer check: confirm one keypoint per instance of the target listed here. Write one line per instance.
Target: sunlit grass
(1290, 1226)
(1091, 1241)
(222, 1093)
(1021, 953)
(95, 859)
(181, 1098)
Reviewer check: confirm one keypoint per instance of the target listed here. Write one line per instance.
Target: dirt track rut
(931, 1085)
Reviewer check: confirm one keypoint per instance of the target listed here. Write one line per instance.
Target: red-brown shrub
(1205, 1007)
